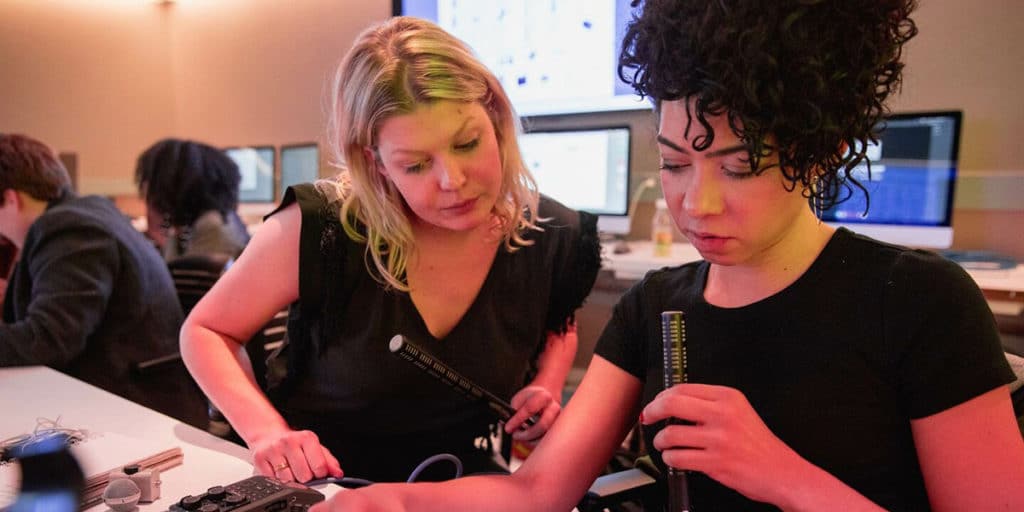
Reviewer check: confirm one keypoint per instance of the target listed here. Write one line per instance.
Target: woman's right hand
(293, 456)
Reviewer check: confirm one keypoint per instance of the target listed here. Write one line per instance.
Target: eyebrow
(718, 152)
(407, 151)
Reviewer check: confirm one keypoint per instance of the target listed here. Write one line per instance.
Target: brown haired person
(89, 295)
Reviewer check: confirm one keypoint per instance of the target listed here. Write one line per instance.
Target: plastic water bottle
(661, 229)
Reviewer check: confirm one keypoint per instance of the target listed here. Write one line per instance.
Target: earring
(815, 199)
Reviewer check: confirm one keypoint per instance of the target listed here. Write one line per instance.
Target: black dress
(376, 412)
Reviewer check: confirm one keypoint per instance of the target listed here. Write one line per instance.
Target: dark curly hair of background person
(183, 179)
(812, 74)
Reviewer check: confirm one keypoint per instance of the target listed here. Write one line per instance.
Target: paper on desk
(98, 454)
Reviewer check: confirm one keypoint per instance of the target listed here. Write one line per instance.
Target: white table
(640, 259)
(27, 393)
(1004, 289)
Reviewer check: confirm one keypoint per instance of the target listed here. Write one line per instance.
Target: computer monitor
(300, 163)
(551, 57)
(256, 165)
(585, 169)
(913, 177)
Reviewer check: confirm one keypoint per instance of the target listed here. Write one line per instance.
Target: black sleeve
(313, 209)
(949, 349)
(577, 261)
(73, 269)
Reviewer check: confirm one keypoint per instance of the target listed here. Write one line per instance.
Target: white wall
(255, 71)
(90, 77)
(968, 56)
(106, 78)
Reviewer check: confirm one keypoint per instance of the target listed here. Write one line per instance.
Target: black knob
(234, 499)
(131, 469)
(191, 502)
(216, 492)
(209, 507)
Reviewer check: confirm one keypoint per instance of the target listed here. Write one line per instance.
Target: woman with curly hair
(436, 231)
(828, 371)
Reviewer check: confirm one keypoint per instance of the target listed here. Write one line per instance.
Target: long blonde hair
(391, 69)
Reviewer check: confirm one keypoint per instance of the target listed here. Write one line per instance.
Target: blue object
(51, 480)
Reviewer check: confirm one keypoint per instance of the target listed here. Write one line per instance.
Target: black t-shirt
(376, 412)
(836, 364)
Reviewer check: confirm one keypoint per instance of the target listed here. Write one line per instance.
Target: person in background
(828, 371)
(435, 231)
(88, 295)
(191, 195)
(8, 256)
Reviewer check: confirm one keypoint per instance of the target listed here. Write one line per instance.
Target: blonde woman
(828, 371)
(435, 231)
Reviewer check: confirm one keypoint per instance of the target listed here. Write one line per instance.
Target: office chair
(262, 345)
(193, 276)
(269, 338)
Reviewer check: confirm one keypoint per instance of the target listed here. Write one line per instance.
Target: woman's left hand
(529, 402)
(728, 440)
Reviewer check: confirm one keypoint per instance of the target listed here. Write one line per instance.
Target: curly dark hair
(811, 74)
(183, 179)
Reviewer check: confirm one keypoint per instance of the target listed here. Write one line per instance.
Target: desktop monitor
(913, 176)
(585, 169)
(256, 165)
(300, 163)
(552, 57)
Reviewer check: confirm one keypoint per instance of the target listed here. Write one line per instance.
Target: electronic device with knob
(254, 494)
(147, 480)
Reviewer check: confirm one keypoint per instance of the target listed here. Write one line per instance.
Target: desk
(618, 273)
(27, 393)
(1004, 292)
(641, 259)
(1005, 284)
(1003, 289)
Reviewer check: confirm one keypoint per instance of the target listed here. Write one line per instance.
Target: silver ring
(281, 467)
